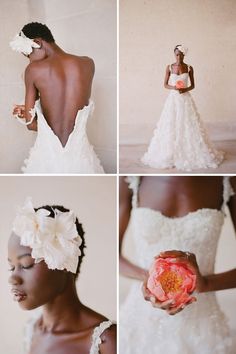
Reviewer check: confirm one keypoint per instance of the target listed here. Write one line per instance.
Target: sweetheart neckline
(75, 123)
(190, 213)
(178, 74)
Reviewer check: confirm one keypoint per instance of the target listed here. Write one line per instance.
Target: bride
(178, 217)
(45, 252)
(57, 104)
(180, 139)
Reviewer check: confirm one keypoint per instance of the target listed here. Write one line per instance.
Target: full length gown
(49, 156)
(201, 328)
(180, 139)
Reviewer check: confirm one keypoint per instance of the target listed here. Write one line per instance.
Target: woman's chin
(27, 305)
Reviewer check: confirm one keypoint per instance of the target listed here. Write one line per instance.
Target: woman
(57, 104)
(180, 139)
(45, 254)
(179, 217)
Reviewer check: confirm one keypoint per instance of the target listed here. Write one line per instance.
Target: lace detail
(49, 156)
(180, 139)
(133, 182)
(201, 327)
(96, 338)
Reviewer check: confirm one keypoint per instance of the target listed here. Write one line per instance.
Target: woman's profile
(180, 139)
(45, 252)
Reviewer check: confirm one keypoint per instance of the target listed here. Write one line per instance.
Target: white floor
(130, 160)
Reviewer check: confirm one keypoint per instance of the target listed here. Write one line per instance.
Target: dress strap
(189, 68)
(133, 182)
(227, 191)
(170, 68)
(96, 338)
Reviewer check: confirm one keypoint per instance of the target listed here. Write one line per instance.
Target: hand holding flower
(173, 277)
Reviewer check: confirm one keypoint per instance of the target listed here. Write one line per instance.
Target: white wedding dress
(201, 328)
(180, 139)
(49, 156)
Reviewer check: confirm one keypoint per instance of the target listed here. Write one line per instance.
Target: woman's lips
(18, 295)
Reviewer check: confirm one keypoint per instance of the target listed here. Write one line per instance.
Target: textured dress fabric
(49, 156)
(180, 139)
(96, 339)
(202, 326)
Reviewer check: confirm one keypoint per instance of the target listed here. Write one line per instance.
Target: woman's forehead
(15, 246)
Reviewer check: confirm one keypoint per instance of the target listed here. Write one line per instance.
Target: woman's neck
(63, 312)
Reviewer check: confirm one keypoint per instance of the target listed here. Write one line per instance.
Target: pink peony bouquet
(171, 280)
(180, 84)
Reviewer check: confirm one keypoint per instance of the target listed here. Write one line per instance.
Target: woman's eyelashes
(12, 268)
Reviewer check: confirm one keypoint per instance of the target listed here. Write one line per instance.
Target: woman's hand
(190, 260)
(166, 305)
(19, 110)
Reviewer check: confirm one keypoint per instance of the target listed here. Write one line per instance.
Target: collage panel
(175, 115)
(58, 81)
(177, 264)
(59, 236)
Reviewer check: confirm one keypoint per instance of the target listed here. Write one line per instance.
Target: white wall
(93, 199)
(85, 27)
(149, 31)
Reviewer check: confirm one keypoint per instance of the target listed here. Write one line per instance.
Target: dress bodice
(197, 232)
(46, 133)
(48, 155)
(182, 77)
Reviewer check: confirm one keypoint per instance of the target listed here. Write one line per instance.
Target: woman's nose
(15, 279)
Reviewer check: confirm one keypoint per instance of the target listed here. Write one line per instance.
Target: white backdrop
(149, 31)
(85, 27)
(93, 199)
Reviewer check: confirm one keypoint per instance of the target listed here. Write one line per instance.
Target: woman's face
(33, 284)
(179, 55)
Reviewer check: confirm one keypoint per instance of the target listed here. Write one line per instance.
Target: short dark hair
(176, 47)
(79, 228)
(38, 30)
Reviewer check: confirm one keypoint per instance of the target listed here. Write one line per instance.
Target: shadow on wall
(84, 28)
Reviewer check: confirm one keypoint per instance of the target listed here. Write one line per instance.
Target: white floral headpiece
(54, 240)
(182, 49)
(23, 44)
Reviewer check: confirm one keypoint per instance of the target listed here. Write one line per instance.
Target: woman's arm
(127, 268)
(31, 95)
(108, 345)
(226, 280)
(167, 75)
(192, 84)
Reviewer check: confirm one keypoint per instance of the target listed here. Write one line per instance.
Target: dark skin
(178, 68)
(63, 82)
(66, 325)
(176, 197)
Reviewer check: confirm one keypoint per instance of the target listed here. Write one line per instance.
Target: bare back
(64, 84)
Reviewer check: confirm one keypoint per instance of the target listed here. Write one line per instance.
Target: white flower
(54, 240)
(23, 44)
(182, 49)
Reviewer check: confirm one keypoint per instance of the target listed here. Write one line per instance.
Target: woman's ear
(39, 41)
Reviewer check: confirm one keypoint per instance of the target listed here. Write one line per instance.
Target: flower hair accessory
(23, 44)
(54, 240)
(182, 49)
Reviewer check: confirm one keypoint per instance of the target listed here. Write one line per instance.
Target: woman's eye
(28, 267)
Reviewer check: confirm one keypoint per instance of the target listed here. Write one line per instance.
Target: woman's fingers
(19, 110)
(171, 253)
